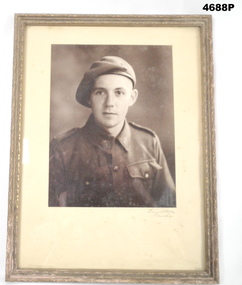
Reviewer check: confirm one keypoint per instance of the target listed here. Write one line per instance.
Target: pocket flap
(144, 169)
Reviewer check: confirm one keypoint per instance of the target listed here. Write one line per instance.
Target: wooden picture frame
(141, 245)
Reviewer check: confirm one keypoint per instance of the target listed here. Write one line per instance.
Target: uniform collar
(101, 139)
(124, 136)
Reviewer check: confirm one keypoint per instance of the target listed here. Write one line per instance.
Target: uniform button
(147, 175)
(115, 168)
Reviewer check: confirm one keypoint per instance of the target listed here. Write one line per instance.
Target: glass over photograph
(112, 138)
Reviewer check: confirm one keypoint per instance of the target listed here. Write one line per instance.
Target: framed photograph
(113, 173)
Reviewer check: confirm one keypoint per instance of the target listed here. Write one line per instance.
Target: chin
(109, 126)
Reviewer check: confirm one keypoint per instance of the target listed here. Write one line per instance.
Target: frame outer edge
(213, 178)
(211, 224)
(15, 150)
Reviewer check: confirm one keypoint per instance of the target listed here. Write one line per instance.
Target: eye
(119, 92)
(99, 92)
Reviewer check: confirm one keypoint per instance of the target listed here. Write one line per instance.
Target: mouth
(109, 114)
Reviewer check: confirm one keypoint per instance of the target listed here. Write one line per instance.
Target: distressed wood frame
(210, 275)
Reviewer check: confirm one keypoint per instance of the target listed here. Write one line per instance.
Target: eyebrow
(102, 88)
(98, 88)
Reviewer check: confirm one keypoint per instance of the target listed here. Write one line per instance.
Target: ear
(133, 97)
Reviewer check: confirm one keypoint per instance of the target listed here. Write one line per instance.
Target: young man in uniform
(109, 162)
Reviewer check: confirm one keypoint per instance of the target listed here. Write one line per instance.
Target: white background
(227, 38)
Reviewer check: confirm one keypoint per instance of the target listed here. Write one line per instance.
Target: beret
(106, 65)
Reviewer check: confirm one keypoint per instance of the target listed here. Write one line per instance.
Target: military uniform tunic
(88, 168)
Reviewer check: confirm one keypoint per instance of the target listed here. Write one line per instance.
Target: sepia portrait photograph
(112, 140)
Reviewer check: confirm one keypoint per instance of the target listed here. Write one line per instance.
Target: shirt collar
(101, 139)
(124, 136)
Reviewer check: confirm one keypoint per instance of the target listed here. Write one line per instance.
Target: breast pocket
(142, 175)
(91, 187)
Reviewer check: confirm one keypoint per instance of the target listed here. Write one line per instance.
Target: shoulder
(142, 129)
(144, 138)
(67, 139)
(67, 134)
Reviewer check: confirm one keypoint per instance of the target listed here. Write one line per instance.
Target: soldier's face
(110, 99)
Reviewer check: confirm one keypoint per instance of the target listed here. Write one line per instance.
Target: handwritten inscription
(161, 213)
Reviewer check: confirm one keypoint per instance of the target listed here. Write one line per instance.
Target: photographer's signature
(161, 213)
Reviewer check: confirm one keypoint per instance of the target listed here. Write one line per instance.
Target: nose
(110, 99)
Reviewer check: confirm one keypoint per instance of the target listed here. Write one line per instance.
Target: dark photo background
(154, 108)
